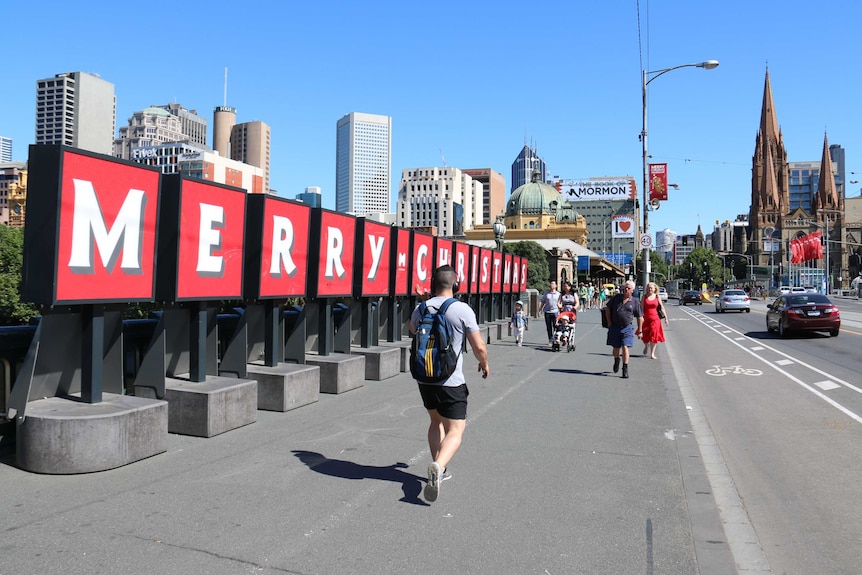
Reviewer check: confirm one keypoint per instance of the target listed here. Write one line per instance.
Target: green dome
(534, 198)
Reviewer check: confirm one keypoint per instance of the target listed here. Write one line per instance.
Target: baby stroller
(564, 331)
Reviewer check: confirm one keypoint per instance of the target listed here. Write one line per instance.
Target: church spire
(769, 129)
(827, 194)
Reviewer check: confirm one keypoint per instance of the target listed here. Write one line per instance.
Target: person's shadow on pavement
(411, 485)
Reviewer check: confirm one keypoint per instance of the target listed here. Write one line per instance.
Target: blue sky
(472, 81)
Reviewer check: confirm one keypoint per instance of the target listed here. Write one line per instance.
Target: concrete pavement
(565, 468)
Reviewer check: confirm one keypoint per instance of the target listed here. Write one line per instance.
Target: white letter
(376, 252)
(282, 243)
(460, 266)
(421, 270)
(89, 228)
(209, 240)
(484, 270)
(333, 253)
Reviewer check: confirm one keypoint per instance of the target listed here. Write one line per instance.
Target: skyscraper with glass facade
(523, 167)
(363, 163)
(5, 149)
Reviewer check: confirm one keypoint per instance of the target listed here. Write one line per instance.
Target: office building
(445, 198)
(5, 149)
(224, 119)
(493, 192)
(13, 193)
(76, 109)
(193, 127)
(363, 163)
(523, 167)
(250, 144)
(148, 127)
(310, 196)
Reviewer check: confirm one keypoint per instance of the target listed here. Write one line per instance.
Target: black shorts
(450, 402)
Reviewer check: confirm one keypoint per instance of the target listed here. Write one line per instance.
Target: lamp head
(708, 65)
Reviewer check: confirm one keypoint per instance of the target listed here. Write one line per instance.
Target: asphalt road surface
(565, 469)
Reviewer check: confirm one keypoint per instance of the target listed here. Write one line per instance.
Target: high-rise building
(224, 119)
(250, 144)
(363, 163)
(194, 127)
(493, 192)
(445, 198)
(76, 109)
(310, 196)
(523, 167)
(5, 149)
(148, 127)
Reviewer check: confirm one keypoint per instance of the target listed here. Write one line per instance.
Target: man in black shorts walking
(446, 402)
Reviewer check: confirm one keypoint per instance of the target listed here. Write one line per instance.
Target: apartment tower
(76, 109)
(250, 144)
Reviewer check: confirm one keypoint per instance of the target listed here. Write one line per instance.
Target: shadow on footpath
(411, 485)
(579, 371)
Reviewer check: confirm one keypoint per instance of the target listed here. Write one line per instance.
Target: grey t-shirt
(463, 320)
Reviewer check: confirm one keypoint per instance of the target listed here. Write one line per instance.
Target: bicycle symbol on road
(719, 371)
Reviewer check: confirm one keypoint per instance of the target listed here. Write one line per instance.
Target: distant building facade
(148, 127)
(250, 144)
(13, 193)
(493, 192)
(527, 162)
(5, 149)
(310, 196)
(363, 163)
(443, 197)
(76, 109)
(193, 126)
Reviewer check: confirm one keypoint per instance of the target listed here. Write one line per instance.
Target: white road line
(758, 348)
(826, 385)
(784, 362)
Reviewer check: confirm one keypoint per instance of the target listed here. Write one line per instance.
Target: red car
(803, 312)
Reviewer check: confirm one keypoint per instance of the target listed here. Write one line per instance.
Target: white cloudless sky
(473, 81)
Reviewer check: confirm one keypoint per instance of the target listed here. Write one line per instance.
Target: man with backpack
(437, 357)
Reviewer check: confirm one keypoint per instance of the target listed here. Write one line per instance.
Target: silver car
(733, 299)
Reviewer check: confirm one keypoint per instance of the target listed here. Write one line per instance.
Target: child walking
(519, 323)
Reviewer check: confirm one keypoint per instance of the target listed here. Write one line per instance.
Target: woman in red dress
(653, 333)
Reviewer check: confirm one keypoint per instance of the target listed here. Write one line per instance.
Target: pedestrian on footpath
(568, 298)
(519, 323)
(550, 303)
(621, 311)
(446, 402)
(653, 312)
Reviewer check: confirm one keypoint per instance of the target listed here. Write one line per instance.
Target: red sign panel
(376, 244)
(461, 264)
(485, 271)
(523, 275)
(507, 273)
(516, 273)
(402, 258)
(444, 253)
(423, 261)
(335, 274)
(657, 182)
(284, 255)
(474, 269)
(211, 236)
(107, 231)
(496, 272)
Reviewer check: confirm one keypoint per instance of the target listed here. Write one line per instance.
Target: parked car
(798, 289)
(733, 299)
(691, 297)
(803, 312)
(783, 290)
(662, 293)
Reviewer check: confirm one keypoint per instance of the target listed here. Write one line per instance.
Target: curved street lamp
(647, 77)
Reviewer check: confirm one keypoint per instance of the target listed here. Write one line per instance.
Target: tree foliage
(12, 310)
(702, 266)
(537, 268)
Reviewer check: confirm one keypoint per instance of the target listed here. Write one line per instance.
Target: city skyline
(582, 112)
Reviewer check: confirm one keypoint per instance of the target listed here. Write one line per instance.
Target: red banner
(806, 248)
(657, 182)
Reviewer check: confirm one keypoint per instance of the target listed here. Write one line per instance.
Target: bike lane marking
(777, 366)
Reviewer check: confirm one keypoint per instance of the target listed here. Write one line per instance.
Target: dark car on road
(803, 312)
(691, 297)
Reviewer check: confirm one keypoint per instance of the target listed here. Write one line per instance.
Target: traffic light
(706, 271)
(685, 240)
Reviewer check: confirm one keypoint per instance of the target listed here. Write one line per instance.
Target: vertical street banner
(657, 182)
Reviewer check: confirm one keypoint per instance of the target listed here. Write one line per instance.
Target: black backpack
(433, 357)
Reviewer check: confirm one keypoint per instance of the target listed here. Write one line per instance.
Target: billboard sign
(599, 189)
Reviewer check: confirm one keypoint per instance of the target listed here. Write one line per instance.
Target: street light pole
(646, 78)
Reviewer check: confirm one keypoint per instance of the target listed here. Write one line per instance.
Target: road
(787, 415)
(565, 469)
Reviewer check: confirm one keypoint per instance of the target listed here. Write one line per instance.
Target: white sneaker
(432, 488)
